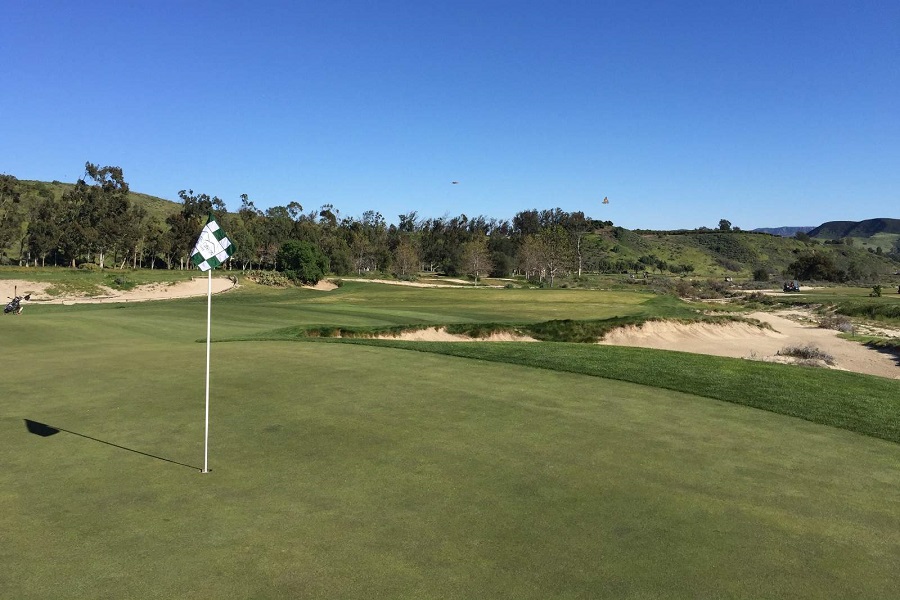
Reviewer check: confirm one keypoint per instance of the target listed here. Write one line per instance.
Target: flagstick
(208, 320)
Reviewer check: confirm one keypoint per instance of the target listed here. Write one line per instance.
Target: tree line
(95, 224)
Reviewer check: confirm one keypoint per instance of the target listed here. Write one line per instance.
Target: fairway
(343, 471)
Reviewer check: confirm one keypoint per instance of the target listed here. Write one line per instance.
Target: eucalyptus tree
(135, 231)
(11, 217)
(245, 229)
(526, 222)
(43, 234)
(93, 214)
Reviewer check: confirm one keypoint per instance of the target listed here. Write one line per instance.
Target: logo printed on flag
(213, 247)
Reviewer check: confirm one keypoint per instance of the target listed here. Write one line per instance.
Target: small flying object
(605, 200)
(454, 182)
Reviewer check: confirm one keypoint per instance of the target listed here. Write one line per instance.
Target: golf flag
(213, 247)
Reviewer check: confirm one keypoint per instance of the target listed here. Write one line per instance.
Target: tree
(302, 262)
(531, 253)
(760, 274)
(43, 233)
(802, 236)
(92, 216)
(815, 266)
(10, 215)
(724, 225)
(476, 257)
(578, 226)
(557, 249)
(406, 257)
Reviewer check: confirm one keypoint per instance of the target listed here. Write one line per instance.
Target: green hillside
(863, 252)
(876, 235)
(856, 229)
(33, 191)
(735, 253)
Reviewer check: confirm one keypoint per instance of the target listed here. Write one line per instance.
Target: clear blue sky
(682, 113)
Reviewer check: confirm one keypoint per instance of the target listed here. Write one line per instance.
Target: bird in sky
(605, 200)
(454, 182)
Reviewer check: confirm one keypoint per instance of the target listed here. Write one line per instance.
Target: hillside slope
(835, 230)
(714, 253)
(784, 231)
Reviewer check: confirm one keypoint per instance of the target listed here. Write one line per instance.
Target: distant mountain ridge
(834, 230)
(785, 231)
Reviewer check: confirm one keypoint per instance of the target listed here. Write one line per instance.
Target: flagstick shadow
(44, 430)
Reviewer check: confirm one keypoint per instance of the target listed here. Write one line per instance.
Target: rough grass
(876, 311)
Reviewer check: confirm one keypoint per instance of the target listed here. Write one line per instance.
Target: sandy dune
(741, 340)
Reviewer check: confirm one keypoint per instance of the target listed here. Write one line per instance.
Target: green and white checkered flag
(213, 247)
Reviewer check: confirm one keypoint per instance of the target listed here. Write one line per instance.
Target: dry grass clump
(808, 354)
(835, 321)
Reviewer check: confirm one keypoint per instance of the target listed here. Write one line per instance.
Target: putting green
(360, 472)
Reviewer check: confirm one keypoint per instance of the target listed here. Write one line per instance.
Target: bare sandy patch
(197, 286)
(439, 334)
(743, 340)
(455, 283)
(322, 286)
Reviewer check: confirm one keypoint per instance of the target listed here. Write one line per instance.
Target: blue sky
(682, 113)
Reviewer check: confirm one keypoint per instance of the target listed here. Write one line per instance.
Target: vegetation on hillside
(100, 221)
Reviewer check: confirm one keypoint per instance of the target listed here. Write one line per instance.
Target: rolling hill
(784, 231)
(865, 251)
(835, 230)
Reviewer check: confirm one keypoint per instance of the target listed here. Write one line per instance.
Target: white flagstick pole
(208, 319)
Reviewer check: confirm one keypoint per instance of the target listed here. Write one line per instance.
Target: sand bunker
(453, 283)
(151, 291)
(439, 334)
(742, 340)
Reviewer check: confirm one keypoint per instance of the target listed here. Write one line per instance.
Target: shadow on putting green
(44, 430)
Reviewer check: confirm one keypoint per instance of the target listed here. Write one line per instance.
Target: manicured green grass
(352, 471)
(861, 403)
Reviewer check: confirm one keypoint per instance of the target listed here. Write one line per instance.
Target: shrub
(120, 282)
(835, 321)
(303, 262)
(685, 289)
(269, 278)
(806, 353)
(760, 274)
